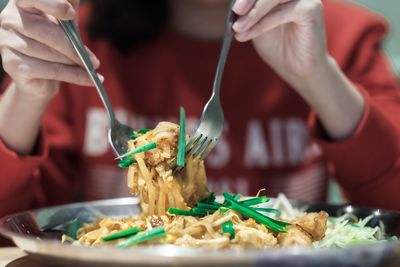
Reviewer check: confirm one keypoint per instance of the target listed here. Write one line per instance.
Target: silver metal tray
(38, 233)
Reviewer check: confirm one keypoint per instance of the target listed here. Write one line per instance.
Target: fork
(118, 133)
(209, 129)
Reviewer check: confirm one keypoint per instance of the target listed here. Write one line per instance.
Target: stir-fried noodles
(152, 178)
(177, 208)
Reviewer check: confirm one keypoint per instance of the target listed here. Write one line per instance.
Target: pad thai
(179, 209)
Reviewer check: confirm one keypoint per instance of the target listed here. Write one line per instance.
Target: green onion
(186, 212)
(182, 139)
(227, 228)
(154, 233)
(237, 197)
(202, 210)
(254, 201)
(124, 233)
(227, 197)
(207, 206)
(270, 223)
(126, 162)
(140, 149)
(223, 210)
(269, 210)
(143, 131)
(138, 133)
(210, 199)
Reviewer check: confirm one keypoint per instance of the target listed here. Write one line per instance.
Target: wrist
(38, 96)
(335, 99)
(21, 113)
(320, 79)
(321, 72)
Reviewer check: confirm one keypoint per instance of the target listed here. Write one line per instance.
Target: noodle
(151, 177)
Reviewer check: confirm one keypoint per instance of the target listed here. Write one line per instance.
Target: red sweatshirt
(271, 139)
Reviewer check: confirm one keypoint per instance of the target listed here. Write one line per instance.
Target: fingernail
(239, 5)
(95, 61)
(101, 77)
(240, 24)
(242, 37)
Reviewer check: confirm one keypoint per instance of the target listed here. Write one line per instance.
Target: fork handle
(73, 36)
(228, 36)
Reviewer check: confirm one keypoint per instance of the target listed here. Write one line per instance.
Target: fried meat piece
(295, 236)
(313, 223)
(305, 230)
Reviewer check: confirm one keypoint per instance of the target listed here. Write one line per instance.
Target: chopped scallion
(138, 133)
(255, 201)
(270, 223)
(224, 210)
(269, 210)
(140, 149)
(207, 206)
(126, 162)
(237, 197)
(202, 211)
(157, 232)
(124, 233)
(210, 199)
(228, 228)
(186, 212)
(143, 131)
(182, 139)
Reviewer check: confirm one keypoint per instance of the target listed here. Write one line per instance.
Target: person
(307, 93)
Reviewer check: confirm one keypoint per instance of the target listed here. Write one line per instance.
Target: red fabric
(265, 143)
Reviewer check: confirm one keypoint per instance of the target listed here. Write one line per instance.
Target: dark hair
(125, 23)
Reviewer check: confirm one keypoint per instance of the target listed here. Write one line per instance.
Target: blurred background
(390, 10)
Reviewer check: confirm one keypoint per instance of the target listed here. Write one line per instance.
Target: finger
(32, 48)
(242, 7)
(61, 9)
(257, 12)
(75, 4)
(23, 68)
(43, 31)
(280, 15)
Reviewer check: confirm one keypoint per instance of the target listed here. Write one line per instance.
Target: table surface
(14, 257)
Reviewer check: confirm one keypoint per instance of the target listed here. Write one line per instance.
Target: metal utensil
(211, 124)
(118, 133)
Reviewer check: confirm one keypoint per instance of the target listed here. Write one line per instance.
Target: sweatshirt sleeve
(48, 175)
(367, 165)
(19, 176)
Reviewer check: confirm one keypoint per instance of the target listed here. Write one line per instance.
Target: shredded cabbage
(343, 233)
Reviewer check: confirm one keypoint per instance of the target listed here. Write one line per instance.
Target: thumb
(75, 5)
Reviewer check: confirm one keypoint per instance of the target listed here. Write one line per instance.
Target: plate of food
(175, 220)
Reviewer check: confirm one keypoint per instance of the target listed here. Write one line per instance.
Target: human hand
(34, 49)
(289, 35)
